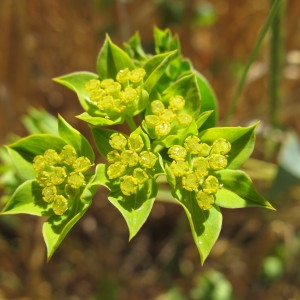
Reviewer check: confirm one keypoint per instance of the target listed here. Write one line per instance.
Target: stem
(268, 23)
(276, 50)
(131, 124)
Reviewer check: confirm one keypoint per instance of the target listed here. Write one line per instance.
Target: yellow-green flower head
(123, 76)
(42, 178)
(179, 168)
(137, 75)
(106, 83)
(152, 120)
(129, 95)
(113, 156)
(106, 102)
(60, 205)
(140, 175)
(184, 119)
(49, 193)
(113, 88)
(147, 159)
(217, 162)
(130, 158)
(92, 85)
(68, 154)
(76, 180)
(192, 144)
(118, 141)
(211, 185)
(190, 181)
(39, 163)
(205, 200)
(177, 152)
(51, 157)
(221, 146)
(176, 103)
(128, 185)
(157, 107)
(60, 175)
(167, 116)
(81, 164)
(135, 142)
(116, 170)
(200, 166)
(162, 129)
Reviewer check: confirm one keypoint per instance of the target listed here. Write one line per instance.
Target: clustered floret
(60, 175)
(163, 119)
(117, 96)
(129, 163)
(194, 164)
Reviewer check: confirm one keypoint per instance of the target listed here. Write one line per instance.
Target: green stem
(268, 23)
(276, 49)
(131, 124)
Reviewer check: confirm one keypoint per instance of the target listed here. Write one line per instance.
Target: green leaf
(155, 67)
(242, 141)
(135, 208)
(76, 82)
(134, 48)
(99, 121)
(205, 224)
(24, 150)
(75, 138)
(238, 191)
(208, 100)
(112, 59)
(187, 87)
(56, 228)
(101, 138)
(27, 199)
(92, 185)
(164, 41)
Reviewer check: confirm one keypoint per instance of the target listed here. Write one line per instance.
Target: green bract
(169, 113)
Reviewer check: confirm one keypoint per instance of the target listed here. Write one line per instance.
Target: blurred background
(258, 253)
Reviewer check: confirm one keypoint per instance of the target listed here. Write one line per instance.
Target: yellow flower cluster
(163, 119)
(128, 162)
(60, 175)
(194, 164)
(117, 96)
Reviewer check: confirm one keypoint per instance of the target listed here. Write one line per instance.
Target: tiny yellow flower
(177, 152)
(205, 200)
(128, 185)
